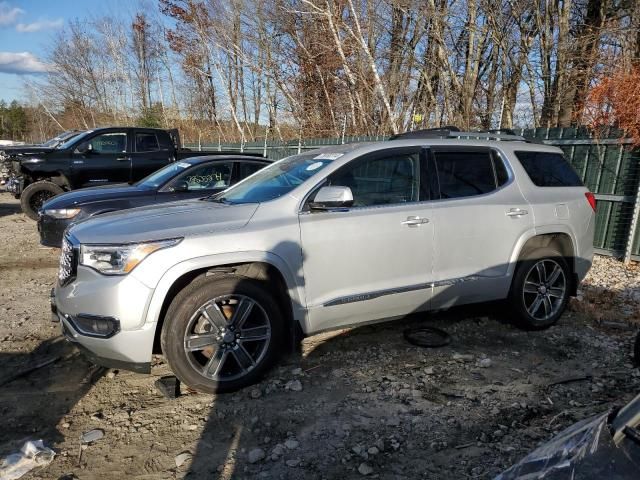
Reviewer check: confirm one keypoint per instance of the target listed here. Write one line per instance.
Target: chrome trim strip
(371, 295)
(362, 297)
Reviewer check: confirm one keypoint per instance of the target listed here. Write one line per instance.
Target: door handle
(122, 159)
(414, 221)
(516, 212)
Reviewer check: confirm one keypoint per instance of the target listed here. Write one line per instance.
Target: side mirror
(180, 186)
(84, 147)
(332, 197)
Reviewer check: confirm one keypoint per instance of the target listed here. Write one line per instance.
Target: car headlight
(62, 212)
(120, 259)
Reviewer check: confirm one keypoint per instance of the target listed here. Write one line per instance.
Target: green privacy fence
(608, 167)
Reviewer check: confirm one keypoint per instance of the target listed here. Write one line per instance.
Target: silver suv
(339, 236)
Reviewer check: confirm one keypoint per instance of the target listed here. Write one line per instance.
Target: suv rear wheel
(221, 334)
(540, 289)
(34, 196)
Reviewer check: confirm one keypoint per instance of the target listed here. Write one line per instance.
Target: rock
(111, 374)
(291, 444)
(373, 451)
(255, 393)
(393, 421)
(296, 371)
(484, 363)
(462, 357)
(183, 458)
(365, 469)
(294, 462)
(256, 455)
(278, 450)
(293, 385)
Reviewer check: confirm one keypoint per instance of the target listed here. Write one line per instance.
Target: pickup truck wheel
(540, 289)
(221, 334)
(35, 195)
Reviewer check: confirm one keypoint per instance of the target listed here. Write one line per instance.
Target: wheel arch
(273, 273)
(561, 240)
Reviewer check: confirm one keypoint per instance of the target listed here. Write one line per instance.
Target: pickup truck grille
(68, 262)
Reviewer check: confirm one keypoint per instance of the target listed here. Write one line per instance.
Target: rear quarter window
(547, 169)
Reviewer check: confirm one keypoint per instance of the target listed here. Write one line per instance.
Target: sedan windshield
(277, 179)
(160, 177)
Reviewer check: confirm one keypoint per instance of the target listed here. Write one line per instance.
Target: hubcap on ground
(544, 289)
(227, 337)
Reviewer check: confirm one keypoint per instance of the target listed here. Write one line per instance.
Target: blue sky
(28, 26)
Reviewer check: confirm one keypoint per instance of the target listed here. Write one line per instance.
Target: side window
(464, 173)
(147, 142)
(547, 169)
(246, 168)
(206, 177)
(115, 142)
(381, 180)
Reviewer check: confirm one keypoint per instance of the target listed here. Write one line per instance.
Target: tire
(231, 363)
(547, 290)
(34, 196)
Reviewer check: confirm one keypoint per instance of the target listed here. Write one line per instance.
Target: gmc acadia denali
(339, 236)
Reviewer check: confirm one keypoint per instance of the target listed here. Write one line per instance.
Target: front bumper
(51, 230)
(123, 299)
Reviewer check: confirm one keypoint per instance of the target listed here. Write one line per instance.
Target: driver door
(105, 159)
(373, 260)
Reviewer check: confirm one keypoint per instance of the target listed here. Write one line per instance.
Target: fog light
(95, 326)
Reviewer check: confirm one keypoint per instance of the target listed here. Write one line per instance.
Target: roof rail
(500, 134)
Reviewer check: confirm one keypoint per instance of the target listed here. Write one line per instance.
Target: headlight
(62, 212)
(120, 259)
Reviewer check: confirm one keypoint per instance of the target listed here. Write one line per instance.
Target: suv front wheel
(222, 333)
(540, 289)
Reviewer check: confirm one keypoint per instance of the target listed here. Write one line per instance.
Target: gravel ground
(356, 403)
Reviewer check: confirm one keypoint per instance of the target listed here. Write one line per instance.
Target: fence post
(264, 150)
(633, 228)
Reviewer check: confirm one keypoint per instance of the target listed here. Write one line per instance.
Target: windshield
(163, 175)
(72, 140)
(277, 179)
(51, 143)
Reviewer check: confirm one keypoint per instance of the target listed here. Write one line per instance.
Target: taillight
(591, 198)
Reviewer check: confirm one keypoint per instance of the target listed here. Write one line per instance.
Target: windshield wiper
(217, 200)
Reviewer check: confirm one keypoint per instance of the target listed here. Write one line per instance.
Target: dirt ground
(359, 402)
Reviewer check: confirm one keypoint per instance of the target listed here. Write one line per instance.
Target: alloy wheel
(227, 337)
(544, 290)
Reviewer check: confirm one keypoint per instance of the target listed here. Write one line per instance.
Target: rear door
(152, 150)
(198, 181)
(478, 219)
(106, 159)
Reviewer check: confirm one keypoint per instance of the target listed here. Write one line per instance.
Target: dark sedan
(190, 178)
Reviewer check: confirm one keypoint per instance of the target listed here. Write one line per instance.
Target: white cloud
(39, 25)
(22, 63)
(9, 14)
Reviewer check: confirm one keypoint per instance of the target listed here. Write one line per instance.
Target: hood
(167, 220)
(96, 194)
(26, 151)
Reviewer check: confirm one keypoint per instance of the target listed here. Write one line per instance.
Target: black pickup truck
(95, 157)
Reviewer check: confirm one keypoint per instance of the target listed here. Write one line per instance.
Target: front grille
(68, 258)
